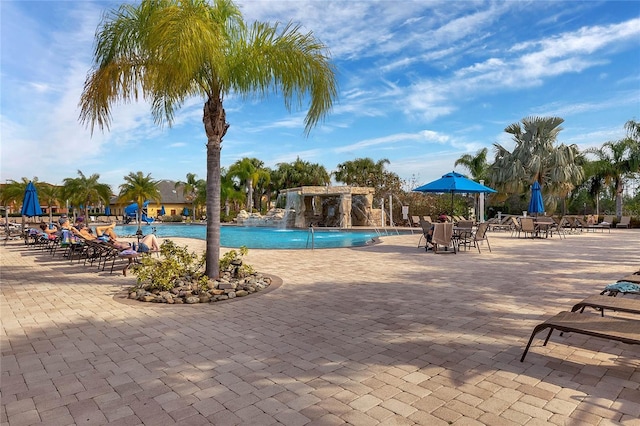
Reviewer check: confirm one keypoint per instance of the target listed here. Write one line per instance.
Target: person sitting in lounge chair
(85, 232)
(107, 233)
(148, 244)
(64, 222)
(50, 234)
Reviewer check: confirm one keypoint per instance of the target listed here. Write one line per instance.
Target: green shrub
(173, 218)
(176, 264)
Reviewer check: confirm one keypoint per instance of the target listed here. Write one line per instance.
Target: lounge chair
(620, 304)
(625, 222)
(415, 221)
(619, 329)
(504, 224)
(442, 238)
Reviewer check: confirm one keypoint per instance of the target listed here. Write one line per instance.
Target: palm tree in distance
(536, 157)
(86, 191)
(139, 188)
(616, 161)
(248, 171)
(51, 195)
(13, 192)
(190, 190)
(169, 51)
(476, 164)
(479, 170)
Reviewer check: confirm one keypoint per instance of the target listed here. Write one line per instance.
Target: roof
(169, 194)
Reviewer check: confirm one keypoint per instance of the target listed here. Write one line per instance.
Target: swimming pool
(260, 237)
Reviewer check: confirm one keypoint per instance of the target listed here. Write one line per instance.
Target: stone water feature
(320, 206)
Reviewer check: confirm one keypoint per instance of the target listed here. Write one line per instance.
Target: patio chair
(559, 227)
(618, 329)
(415, 221)
(625, 222)
(527, 226)
(426, 229)
(442, 238)
(481, 235)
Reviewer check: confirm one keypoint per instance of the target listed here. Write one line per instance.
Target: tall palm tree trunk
(215, 126)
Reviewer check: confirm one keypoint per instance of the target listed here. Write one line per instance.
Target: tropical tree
(86, 191)
(536, 157)
(201, 195)
(299, 173)
(51, 195)
(479, 170)
(476, 164)
(360, 172)
(229, 191)
(248, 171)
(618, 161)
(171, 50)
(190, 190)
(13, 192)
(366, 172)
(139, 188)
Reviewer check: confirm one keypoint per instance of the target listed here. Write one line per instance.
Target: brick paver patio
(386, 335)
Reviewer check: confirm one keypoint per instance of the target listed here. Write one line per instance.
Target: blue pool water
(260, 237)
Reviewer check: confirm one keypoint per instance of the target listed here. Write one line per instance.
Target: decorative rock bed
(224, 288)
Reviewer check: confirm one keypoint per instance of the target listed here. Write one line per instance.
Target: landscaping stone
(190, 293)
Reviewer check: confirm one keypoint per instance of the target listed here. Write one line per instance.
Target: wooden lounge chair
(619, 329)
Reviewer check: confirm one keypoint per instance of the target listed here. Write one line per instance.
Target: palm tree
(535, 157)
(476, 164)
(229, 192)
(51, 195)
(171, 50)
(86, 191)
(13, 192)
(248, 171)
(190, 190)
(139, 188)
(479, 170)
(616, 161)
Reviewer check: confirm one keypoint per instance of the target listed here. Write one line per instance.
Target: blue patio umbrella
(454, 183)
(107, 211)
(162, 211)
(30, 203)
(536, 204)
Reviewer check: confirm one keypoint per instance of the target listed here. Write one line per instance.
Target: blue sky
(420, 83)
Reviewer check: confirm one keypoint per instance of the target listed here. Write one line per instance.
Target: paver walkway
(386, 334)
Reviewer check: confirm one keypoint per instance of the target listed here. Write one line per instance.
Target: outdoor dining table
(542, 227)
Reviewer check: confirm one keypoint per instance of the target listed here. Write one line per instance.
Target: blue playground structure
(131, 212)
